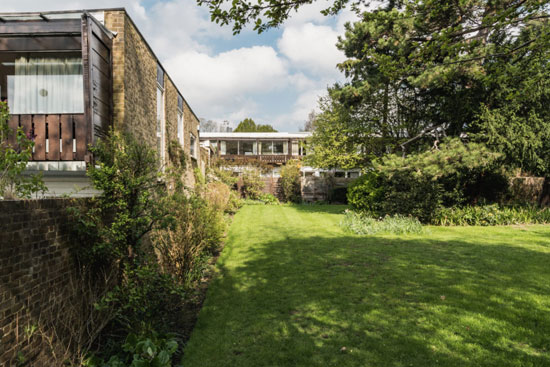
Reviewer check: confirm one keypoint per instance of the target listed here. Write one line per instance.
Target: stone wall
(135, 90)
(35, 268)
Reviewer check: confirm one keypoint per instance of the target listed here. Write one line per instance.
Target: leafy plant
(491, 215)
(419, 184)
(111, 227)
(251, 184)
(140, 351)
(14, 159)
(290, 182)
(364, 224)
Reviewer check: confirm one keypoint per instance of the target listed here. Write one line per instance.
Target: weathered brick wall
(135, 89)
(35, 264)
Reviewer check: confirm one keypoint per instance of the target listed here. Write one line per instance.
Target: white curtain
(285, 147)
(47, 85)
(222, 147)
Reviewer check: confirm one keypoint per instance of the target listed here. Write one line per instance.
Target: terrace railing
(56, 137)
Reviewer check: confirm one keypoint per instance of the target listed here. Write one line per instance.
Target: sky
(275, 77)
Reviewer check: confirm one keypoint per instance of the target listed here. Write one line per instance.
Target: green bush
(491, 215)
(365, 192)
(290, 182)
(13, 161)
(141, 351)
(420, 184)
(251, 184)
(363, 224)
(145, 300)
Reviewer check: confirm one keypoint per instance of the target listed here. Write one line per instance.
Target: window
(353, 174)
(247, 147)
(339, 174)
(160, 114)
(180, 120)
(192, 148)
(42, 83)
(230, 147)
(295, 148)
(274, 147)
(266, 147)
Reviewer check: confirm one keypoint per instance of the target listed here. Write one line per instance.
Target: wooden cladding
(97, 45)
(40, 27)
(56, 137)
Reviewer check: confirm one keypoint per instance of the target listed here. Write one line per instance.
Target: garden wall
(35, 269)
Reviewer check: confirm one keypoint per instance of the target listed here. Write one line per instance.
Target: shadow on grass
(378, 301)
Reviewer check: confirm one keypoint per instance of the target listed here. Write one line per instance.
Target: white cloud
(222, 81)
(311, 47)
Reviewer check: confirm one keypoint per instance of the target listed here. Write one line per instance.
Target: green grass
(293, 289)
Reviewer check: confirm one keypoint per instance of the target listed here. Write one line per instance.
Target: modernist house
(274, 149)
(67, 76)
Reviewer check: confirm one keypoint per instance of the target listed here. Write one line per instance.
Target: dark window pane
(248, 147)
(160, 76)
(231, 147)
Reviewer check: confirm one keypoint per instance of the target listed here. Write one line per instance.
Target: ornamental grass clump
(364, 224)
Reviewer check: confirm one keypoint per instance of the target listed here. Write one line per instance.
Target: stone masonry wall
(135, 88)
(35, 264)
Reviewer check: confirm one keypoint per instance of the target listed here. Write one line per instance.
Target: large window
(160, 114)
(247, 147)
(192, 146)
(42, 83)
(274, 147)
(180, 120)
(230, 147)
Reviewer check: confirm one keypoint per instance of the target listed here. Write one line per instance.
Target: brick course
(35, 264)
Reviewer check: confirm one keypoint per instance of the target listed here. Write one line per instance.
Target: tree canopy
(249, 126)
(418, 71)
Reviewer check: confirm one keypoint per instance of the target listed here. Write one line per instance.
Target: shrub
(290, 182)
(141, 350)
(252, 184)
(193, 237)
(217, 194)
(145, 300)
(491, 215)
(420, 184)
(363, 224)
(133, 201)
(365, 192)
(13, 161)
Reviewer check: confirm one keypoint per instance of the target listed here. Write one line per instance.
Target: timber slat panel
(26, 124)
(53, 137)
(80, 136)
(67, 138)
(13, 124)
(40, 138)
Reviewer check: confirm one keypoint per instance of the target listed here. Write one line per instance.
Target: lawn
(293, 289)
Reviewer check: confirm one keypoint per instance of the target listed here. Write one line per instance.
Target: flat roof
(281, 135)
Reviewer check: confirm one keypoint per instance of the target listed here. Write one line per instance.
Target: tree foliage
(290, 182)
(14, 159)
(249, 126)
(419, 184)
(419, 71)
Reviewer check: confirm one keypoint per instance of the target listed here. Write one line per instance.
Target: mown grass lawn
(293, 289)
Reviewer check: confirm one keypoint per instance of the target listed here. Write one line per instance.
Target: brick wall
(135, 89)
(35, 266)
